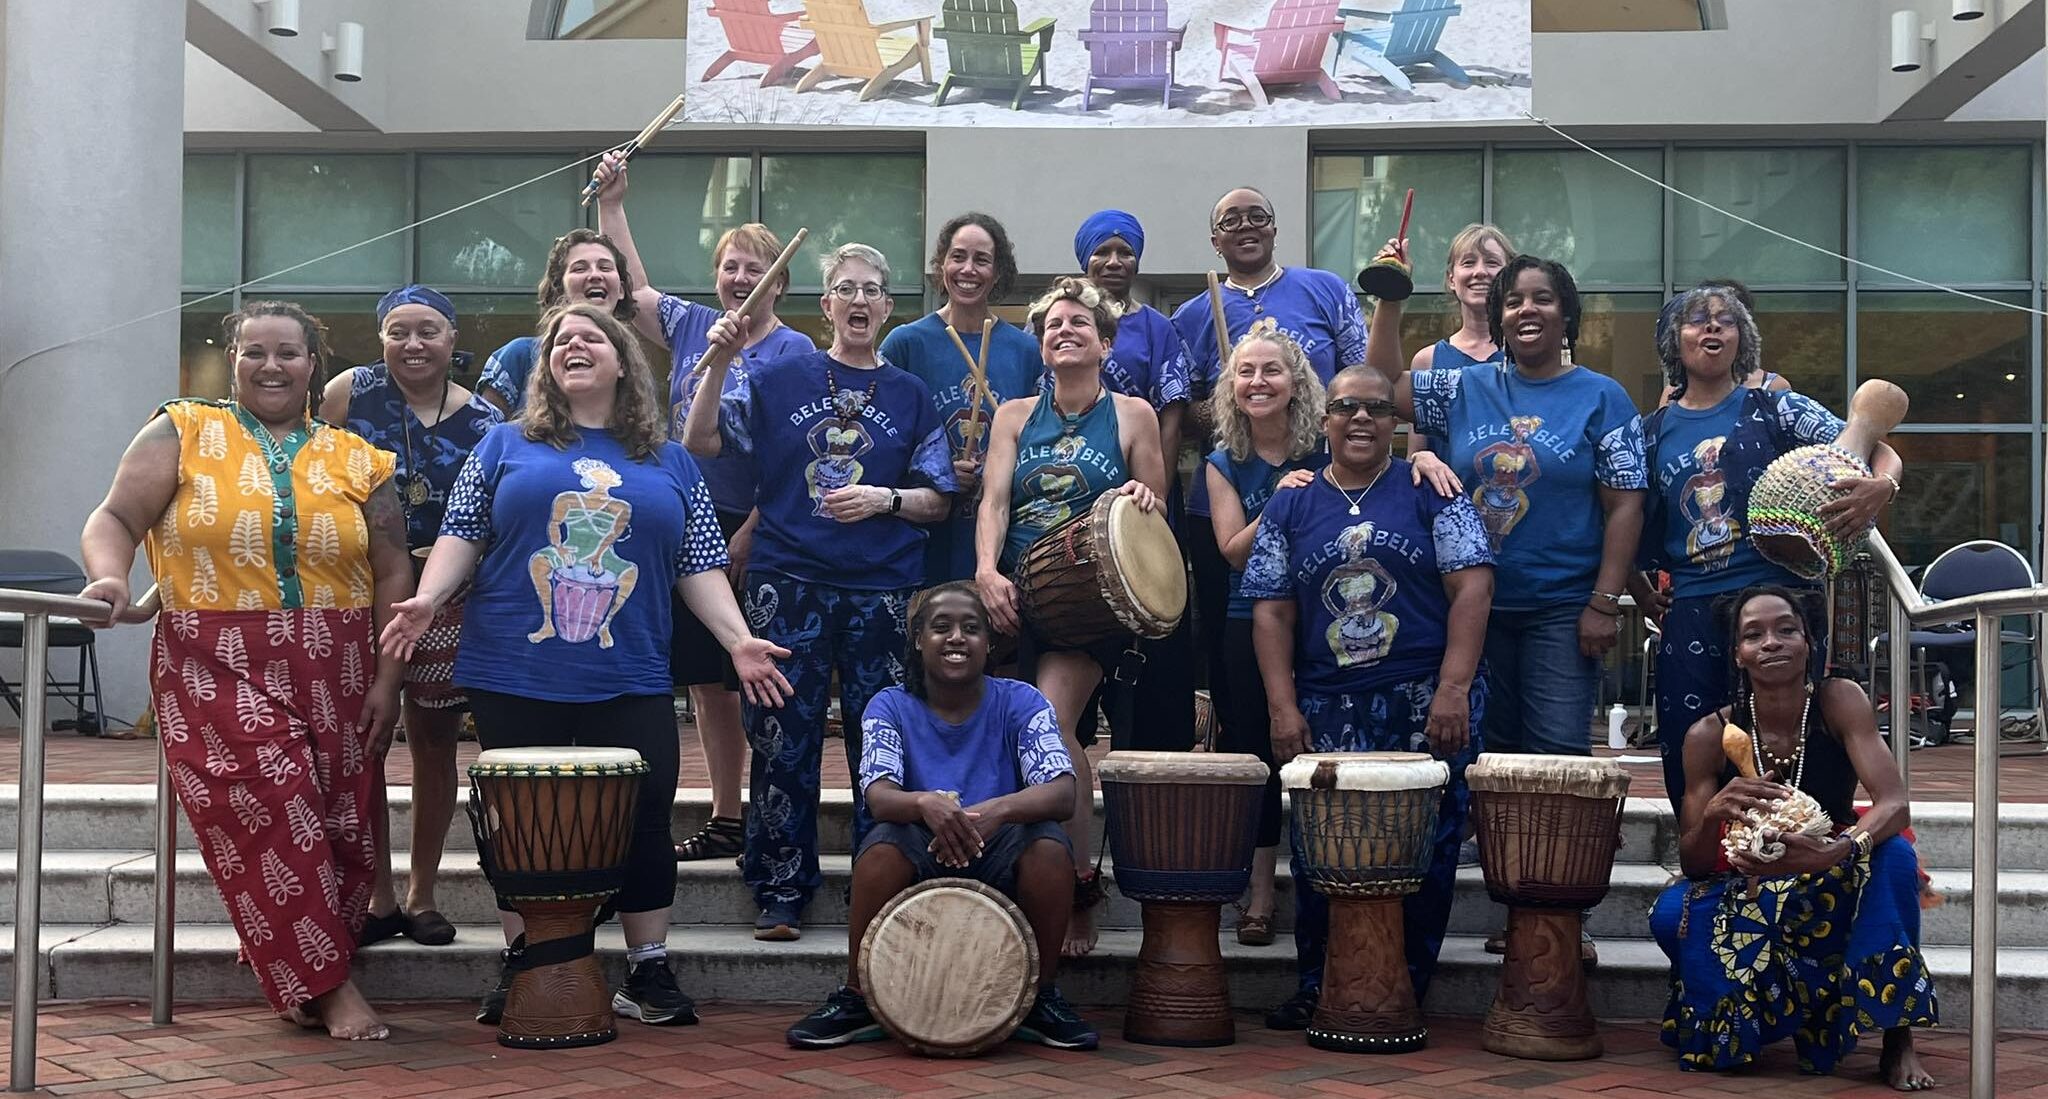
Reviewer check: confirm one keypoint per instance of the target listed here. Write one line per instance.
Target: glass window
(876, 200)
(1617, 337)
(1805, 338)
(487, 322)
(1604, 224)
(1357, 206)
(351, 323)
(680, 206)
(1798, 192)
(202, 358)
(1959, 487)
(1944, 214)
(1961, 361)
(306, 206)
(212, 248)
(503, 242)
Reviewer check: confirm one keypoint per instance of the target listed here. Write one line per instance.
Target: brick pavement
(222, 1051)
(1939, 774)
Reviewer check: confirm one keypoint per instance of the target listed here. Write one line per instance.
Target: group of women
(1345, 597)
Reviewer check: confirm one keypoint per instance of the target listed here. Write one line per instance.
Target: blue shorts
(995, 867)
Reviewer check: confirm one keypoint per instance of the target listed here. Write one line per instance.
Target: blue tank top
(1445, 355)
(1063, 464)
(1255, 479)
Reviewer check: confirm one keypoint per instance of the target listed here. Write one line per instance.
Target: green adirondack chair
(986, 50)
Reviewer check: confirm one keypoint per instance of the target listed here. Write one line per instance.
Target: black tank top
(1829, 777)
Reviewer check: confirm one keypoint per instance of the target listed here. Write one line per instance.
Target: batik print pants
(257, 711)
(859, 635)
(1389, 719)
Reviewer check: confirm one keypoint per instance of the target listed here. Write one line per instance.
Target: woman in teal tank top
(1049, 458)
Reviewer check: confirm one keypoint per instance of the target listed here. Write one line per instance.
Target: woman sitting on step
(1821, 943)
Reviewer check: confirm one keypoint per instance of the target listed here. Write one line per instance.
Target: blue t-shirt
(505, 372)
(1533, 454)
(1010, 742)
(1706, 461)
(1315, 307)
(1444, 355)
(377, 411)
(923, 348)
(608, 535)
(1061, 469)
(873, 427)
(1255, 479)
(684, 325)
(1372, 609)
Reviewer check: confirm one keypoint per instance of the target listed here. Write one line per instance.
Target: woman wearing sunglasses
(1370, 599)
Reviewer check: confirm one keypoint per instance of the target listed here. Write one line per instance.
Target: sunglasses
(1255, 219)
(1347, 407)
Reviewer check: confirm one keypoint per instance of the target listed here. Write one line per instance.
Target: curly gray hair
(1749, 350)
(1304, 403)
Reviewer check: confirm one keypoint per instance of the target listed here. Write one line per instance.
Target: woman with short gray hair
(854, 460)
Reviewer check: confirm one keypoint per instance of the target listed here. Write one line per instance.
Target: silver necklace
(1330, 475)
(1756, 741)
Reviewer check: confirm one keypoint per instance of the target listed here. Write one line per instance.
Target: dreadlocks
(920, 610)
(1560, 282)
(1677, 313)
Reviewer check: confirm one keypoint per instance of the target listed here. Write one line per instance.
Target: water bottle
(1617, 715)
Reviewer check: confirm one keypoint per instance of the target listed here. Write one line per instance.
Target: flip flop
(430, 928)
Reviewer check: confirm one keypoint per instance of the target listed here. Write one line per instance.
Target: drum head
(563, 758)
(1148, 563)
(949, 967)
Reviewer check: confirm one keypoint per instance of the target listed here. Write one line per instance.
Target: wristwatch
(895, 501)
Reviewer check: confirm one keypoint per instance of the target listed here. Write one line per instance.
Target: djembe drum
(1110, 571)
(1784, 506)
(552, 827)
(1547, 827)
(1366, 828)
(1181, 828)
(950, 967)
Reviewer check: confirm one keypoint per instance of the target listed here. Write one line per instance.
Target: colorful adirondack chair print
(984, 49)
(1409, 38)
(760, 36)
(1130, 46)
(1289, 49)
(852, 47)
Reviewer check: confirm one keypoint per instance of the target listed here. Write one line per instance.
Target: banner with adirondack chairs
(919, 63)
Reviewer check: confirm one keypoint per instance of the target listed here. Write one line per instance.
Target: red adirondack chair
(1289, 49)
(1130, 46)
(756, 34)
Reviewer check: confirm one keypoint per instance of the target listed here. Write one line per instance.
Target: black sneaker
(652, 996)
(1296, 1012)
(492, 1010)
(843, 1020)
(1054, 1022)
(780, 922)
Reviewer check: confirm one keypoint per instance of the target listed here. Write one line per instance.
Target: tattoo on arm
(386, 517)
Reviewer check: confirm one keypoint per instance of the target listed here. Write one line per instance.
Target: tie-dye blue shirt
(685, 324)
(813, 425)
(1372, 610)
(1011, 741)
(1533, 455)
(377, 411)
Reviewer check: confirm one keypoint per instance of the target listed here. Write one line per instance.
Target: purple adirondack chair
(1289, 49)
(757, 34)
(1130, 46)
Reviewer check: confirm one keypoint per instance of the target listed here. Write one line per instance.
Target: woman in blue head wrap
(409, 405)
(1148, 361)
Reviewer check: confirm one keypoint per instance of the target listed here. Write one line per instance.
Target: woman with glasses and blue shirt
(858, 460)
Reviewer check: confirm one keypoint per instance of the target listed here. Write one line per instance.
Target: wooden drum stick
(627, 150)
(1222, 327)
(763, 291)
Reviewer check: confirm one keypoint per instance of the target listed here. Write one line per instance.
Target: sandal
(1255, 930)
(720, 838)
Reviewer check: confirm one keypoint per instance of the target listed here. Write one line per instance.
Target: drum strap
(552, 952)
(1130, 667)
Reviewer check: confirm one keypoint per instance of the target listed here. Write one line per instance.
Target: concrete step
(721, 963)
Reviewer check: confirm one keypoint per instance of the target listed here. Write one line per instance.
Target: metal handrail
(36, 609)
(1909, 608)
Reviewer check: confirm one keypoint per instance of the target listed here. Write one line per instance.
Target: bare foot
(1080, 934)
(300, 1015)
(1899, 1066)
(348, 1017)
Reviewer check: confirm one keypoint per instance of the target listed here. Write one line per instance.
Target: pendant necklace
(1071, 422)
(1253, 292)
(417, 490)
(1330, 475)
(1771, 761)
(847, 404)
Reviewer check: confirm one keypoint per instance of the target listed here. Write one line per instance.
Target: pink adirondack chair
(758, 35)
(1130, 46)
(1289, 49)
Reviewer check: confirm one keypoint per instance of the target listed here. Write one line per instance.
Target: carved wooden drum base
(1368, 1001)
(1540, 1012)
(561, 1005)
(1178, 994)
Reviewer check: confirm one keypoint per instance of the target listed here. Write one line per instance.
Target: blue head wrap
(1102, 225)
(415, 295)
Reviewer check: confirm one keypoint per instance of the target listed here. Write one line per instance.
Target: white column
(91, 168)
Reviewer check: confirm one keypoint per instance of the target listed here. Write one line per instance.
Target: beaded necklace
(847, 405)
(1771, 761)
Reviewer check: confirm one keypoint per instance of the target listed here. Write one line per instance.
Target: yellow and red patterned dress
(263, 658)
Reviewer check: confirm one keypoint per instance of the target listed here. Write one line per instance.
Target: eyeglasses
(1347, 407)
(1722, 320)
(1252, 219)
(848, 291)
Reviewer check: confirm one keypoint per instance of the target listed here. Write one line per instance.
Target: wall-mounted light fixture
(1909, 41)
(1966, 10)
(280, 17)
(345, 48)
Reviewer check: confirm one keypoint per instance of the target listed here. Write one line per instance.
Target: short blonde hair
(1082, 292)
(756, 238)
(1304, 402)
(1474, 238)
(638, 418)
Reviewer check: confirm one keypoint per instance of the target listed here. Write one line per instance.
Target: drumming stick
(627, 150)
(718, 358)
(1736, 745)
(972, 430)
(1407, 207)
(1877, 407)
(1222, 327)
(979, 371)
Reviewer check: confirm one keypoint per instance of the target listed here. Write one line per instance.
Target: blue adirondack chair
(1408, 37)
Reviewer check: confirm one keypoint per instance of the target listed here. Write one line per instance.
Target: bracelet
(1895, 484)
(1613, 599)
